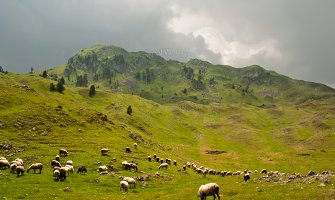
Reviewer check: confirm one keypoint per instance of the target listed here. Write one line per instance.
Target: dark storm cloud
(295, 38)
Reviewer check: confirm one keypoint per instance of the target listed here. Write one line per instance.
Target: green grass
(253, 138)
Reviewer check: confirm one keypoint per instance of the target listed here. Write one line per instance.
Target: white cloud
(222, 38)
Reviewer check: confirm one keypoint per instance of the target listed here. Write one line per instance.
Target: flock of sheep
(61, 172)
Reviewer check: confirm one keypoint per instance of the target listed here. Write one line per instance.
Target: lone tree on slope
(92, 91)
(129, 110)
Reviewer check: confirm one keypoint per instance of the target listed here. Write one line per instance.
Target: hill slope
(150, 76)
(37, 123)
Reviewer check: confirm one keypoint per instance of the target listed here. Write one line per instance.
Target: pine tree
(92, 91)
(62, 80)
(60, 87)
(45, 74)
(52, 87)
(129, 110)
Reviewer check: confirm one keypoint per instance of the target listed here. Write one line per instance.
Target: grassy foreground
(286, 138)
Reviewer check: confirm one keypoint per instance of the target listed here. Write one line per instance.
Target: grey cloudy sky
(295, 38)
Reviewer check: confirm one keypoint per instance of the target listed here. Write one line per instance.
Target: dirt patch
(212, 125)
(320, 125)
(215, 152)
(303, 154)
(177, 112)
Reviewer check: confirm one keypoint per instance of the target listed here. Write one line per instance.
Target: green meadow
(289, 137)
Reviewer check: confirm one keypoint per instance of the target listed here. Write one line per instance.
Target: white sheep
(104, 151)
(135, 145)
(188, 164)
(36, 166)
(19, 170)
(3, 158)
(163, 165)
(124, 185)
(208, 190)
(69, 168)
(103, 168)
(57, 158)
(56, 174)
(131, 181)
(4, 164)
(63, 152)
(246, 176)
(13, 168)
(124, 163)
(69, 162)
(55, 163)
(19, 161)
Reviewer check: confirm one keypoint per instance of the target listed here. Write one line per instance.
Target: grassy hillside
(166, 81)
(291, 138)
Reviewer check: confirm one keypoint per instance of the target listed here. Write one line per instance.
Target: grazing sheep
(129, 166)
(35, 166)
(184, 167)
(69, 168)
(135, 145)
(205, 172)
(19, 161)
(131, 181)
(104, 173)
(223, 173)
(133, 166)
(188, 164)
(4, 164)
(57, 158)
(124, 165)
(56, 174)
(155, 156)
(55, 163)
(264, 171)
(104, 151)
(194, 166)
(212, 172)
(69, 162)
(13, 168)
(237, 173)
(19, 170)
(3, 158)
(63, 152)
(246, 176)
(62, 173)
(162, 161)
(198, 170)
(124, 185)
(174, 162)
(168, 161)
(164, 165)
(157, 159)
(149, 158)
(128, 150)
(208, 190)
(82, 169)
(256, 171)
(103, 168)
(229, 173)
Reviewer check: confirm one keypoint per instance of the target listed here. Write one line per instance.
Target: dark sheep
(82, 169)
(246, 176)
(62, 174)
(128, 150)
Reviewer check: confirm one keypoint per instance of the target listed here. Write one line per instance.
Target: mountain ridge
(165, 81)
